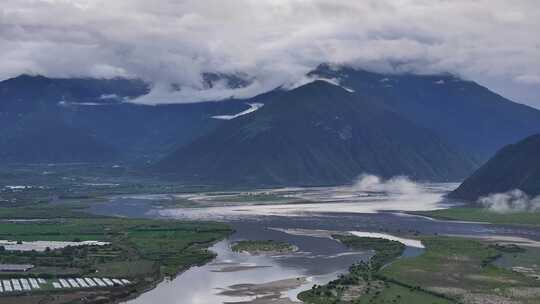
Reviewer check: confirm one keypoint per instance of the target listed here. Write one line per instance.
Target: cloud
(274, 42)
(511, 201)
(394, 185)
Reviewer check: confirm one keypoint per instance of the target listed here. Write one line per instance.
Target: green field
(483, 215)
(143, 251)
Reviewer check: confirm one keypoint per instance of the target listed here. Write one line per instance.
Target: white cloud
(511, 201)
(395, 185)
(276, 42)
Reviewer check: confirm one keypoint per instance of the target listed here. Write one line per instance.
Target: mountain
(462, 112)
(314, 135)
(80, 119)
(516, 166)
(46, 139)
(33, 130)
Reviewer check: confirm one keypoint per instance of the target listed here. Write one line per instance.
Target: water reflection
(235, 277)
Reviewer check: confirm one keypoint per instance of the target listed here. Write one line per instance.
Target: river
(304, 217)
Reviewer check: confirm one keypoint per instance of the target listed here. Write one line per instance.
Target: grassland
(484, 215)
(260, 247)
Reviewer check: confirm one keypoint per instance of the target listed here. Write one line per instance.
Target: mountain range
(429, 127)
(92, 120)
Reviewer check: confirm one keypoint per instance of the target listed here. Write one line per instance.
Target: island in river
(263, 247)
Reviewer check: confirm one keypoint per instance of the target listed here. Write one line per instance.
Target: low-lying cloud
(511, 201)
(394, 185)
(273, 42)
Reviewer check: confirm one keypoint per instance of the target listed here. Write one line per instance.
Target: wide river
(304, 217)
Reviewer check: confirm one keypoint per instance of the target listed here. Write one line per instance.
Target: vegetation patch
(262, 247)
(385, 250)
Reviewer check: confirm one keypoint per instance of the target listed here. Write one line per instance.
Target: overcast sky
(494, 42)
